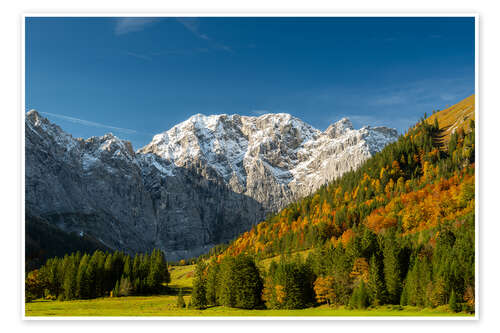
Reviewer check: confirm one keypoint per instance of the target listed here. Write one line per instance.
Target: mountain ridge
(455, 117)
(200, 183)
(417, 184)
(284, 147)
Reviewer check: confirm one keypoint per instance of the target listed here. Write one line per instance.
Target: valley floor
(165, 305)
(182, 276)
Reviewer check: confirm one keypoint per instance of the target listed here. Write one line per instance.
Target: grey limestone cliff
(199, 184)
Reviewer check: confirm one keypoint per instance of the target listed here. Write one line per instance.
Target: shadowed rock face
(199, 184)
(94, 186)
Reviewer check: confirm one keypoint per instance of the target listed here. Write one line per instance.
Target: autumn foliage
(413, 185)
(383, 234)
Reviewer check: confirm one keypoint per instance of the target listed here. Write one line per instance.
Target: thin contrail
(93, 124)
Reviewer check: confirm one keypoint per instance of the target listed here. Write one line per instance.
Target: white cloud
(139, 56)
(132, 24)
(382, 120)
(260, 112)
(193, 24)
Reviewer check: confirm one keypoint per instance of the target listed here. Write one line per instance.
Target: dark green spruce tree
(376, 287)
(199, 294)
(248, 281)
(391, 269)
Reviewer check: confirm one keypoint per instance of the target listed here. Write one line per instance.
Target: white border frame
(266, 13)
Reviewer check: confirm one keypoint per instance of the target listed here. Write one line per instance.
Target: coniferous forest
(268, 166)
(86, 276)
(399, 230)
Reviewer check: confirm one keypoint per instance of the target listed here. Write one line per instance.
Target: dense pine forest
(85, 276)
(398, 230)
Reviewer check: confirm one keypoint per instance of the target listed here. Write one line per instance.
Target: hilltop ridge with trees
(398, 230)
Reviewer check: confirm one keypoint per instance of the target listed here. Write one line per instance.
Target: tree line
(413, 184)
(398, 230)
(85, 276)
(421, 270)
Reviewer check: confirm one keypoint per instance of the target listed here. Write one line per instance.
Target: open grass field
(166, 306)
(265, 263)
(182, 277)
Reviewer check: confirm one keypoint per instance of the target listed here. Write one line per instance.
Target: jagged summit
(200, 123)
(32, 113)
(34, 117)
(200, 183)
(339, 128)
(285, 149)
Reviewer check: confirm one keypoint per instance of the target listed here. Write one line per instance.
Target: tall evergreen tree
(70, 269)
(360, 298)
(82, 282)
(226, 287)
(248, 281)
(391, 269)
(213, 280)
(376, 285)
(454, 306)
(199, 296)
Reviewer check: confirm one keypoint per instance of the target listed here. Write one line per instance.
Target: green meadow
(166, 306)
(182, 277)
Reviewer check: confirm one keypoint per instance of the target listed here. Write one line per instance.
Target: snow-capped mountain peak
(339, 128)
(250, 152)
(200, 183)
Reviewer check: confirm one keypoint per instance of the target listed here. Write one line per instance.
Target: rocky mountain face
(198, 184)
(90, 186)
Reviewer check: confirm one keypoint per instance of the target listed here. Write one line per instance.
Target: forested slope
(44, 241)
(412, 184)
(398, 230)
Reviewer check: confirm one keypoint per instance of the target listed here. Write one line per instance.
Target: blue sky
(136, 77)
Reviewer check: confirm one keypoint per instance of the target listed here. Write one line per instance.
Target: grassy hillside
(394, 231)
(182, 277)
(414, 184)
(455, 117)
(397, 233)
